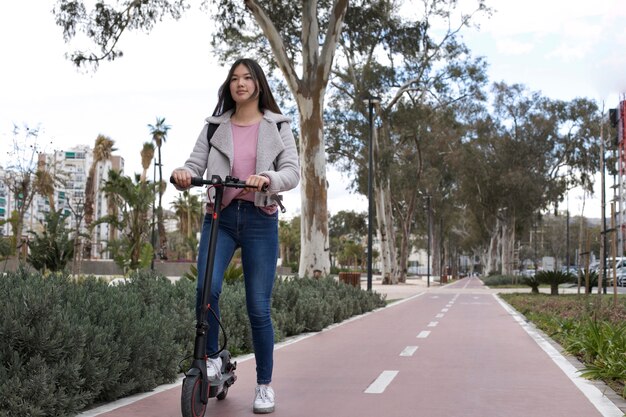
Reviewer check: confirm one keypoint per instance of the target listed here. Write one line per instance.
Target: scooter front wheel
(190, 401)
(222, 395)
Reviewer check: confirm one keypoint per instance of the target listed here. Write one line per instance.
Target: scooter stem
(202, 326)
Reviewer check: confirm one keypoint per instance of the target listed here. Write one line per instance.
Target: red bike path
(450, 351)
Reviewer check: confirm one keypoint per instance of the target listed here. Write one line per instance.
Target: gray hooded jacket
(277, 156)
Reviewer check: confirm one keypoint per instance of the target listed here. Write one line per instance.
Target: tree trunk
(405, 239)
(316, 64)
(436, 247)
(491, 256)
(314, 253)
(384, 214)
(386, 236)
(508, 243)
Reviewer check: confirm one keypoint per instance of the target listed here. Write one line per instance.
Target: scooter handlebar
(216, 180)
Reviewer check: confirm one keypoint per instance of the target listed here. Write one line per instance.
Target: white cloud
(512, 47)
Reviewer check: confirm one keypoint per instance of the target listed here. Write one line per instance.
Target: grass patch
(591, 328)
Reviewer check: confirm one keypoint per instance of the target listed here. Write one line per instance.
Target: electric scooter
(197, 389)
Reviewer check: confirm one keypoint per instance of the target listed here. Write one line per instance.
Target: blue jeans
(242, 225)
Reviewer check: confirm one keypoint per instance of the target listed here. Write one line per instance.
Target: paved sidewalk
(455, 350)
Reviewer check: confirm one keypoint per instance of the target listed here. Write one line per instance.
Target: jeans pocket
(263, 213)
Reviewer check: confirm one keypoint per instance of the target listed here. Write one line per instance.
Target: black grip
(198, 181)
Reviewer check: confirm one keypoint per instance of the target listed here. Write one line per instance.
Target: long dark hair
(225, 100)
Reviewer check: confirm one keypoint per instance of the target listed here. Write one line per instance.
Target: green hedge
(66, 345)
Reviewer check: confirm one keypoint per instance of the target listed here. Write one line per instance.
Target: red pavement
(453, 351)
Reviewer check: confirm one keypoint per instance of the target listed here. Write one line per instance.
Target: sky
(562, 48)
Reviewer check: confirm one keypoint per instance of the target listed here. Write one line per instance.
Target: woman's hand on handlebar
(181, 178)
(256, 183)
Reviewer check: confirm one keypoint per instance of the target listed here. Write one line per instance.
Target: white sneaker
(214, 368)
(263, 400)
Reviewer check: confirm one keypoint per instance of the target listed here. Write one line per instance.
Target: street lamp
(371, 102)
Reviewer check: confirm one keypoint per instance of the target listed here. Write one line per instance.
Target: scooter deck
(218, 385)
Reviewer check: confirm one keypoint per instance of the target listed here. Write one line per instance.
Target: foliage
(499, 280)
(52, 249)
(78, 343)
(25, 177)
(133, 200)
(289, 241)
(192, 274)
(105, 24)
(102, 151)
(589, 280)
(589, 327)
(345, 229)
(533, 282)
(189, 211)
(554, 279)
(158, 131)
(5, 247)
(427, 73)
(526, 151)
(233, 273)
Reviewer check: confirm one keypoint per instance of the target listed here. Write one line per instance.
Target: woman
(253, 141)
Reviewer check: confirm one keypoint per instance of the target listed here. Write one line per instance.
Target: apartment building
(70, 168)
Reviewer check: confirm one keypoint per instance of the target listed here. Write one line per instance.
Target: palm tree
(159, 136)
(102, 151)
(133, 198)
(147, 154)
(47, 178)
(188, 209)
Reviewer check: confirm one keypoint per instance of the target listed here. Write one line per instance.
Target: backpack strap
(210, 132)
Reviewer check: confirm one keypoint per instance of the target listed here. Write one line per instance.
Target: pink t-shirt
(245, 140)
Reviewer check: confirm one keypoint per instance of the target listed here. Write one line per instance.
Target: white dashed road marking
(439, 315)
(423, 334)
(408, 351)
(381, 383)
(433, 324)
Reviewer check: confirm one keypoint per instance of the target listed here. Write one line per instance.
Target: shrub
(499, 280)
(533, 282)
(74, 344)
(78, 342)
(554, 278)
(591, 281)
(590, 328)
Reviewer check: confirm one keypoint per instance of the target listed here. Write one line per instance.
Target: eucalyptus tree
(529, 150)
(299, 38)
(424, 179)
(408, 62)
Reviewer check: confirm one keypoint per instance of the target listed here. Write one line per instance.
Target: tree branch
(276, 42)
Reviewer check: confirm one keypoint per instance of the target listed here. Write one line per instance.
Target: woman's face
(243, 87)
